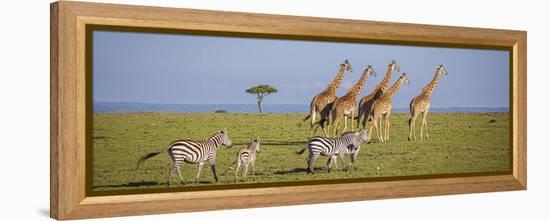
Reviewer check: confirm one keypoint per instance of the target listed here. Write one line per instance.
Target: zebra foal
(193, 152)
(348, 144)
(247, 156)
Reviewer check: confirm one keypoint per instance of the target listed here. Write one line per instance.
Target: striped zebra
(348, 144)
(247, 156)
(193, 152)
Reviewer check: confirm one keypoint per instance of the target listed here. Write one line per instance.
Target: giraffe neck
(335, 84)
(428, 90)
(383, 85)
(393, 90)
(356, 89)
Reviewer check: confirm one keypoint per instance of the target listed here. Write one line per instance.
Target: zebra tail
(145, 157)
(301, 151)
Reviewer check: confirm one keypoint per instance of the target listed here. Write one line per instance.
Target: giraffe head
(393, 67)
(370, 70)
(347, 66)
(442, 69)
(225, 138)
(403, 79)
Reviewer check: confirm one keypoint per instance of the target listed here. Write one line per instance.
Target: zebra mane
(209, 138)
(348, 133)
(217, 134)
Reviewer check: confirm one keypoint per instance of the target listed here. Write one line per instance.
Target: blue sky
(185, 69)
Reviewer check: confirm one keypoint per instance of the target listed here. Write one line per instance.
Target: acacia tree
(261, 91)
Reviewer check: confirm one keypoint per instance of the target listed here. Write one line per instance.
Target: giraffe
(421, 104)
(345, 106)
(381, 110)
(322, 102)
(365, 104)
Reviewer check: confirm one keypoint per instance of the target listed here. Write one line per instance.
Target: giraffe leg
(351, 119)
(320, 124)
(335, 122)
(364, 116)
(313, 115)
(410, 128)
(383, 123)
(367, 116)
(328, 122)
(369, 131)
(425, 123)
(359, 113)
(364, 120)
(427, 134)
(388, 126)
(381, 128)
(345, 124)
(378, 130)
(374, 123)
(325, 129)
(312, 130)
(412, 125)
(422, 127)
(336, 128)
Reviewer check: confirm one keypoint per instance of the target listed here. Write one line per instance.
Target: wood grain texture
(54, 119)
(68, 107)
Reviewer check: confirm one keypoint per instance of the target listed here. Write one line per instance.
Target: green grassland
(460, 143)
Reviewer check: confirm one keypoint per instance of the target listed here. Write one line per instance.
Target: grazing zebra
(348, 144)
(193, 152)
(247, 156)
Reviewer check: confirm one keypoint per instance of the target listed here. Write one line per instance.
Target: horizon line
(131, 102)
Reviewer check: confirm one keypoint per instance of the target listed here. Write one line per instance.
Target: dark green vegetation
(261, 91)
(460, 143)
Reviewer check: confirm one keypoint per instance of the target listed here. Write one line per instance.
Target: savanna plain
(459, 143)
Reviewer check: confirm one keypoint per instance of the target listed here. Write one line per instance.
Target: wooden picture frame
(69, 199)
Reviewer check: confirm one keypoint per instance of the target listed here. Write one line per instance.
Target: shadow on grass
(298, 170)
(152, 183)
(132, 184)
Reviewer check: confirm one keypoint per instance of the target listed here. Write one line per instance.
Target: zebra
(247, 156)
(348, 144)
(193, 152)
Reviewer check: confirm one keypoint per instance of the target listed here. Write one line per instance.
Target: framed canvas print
(160, 110)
